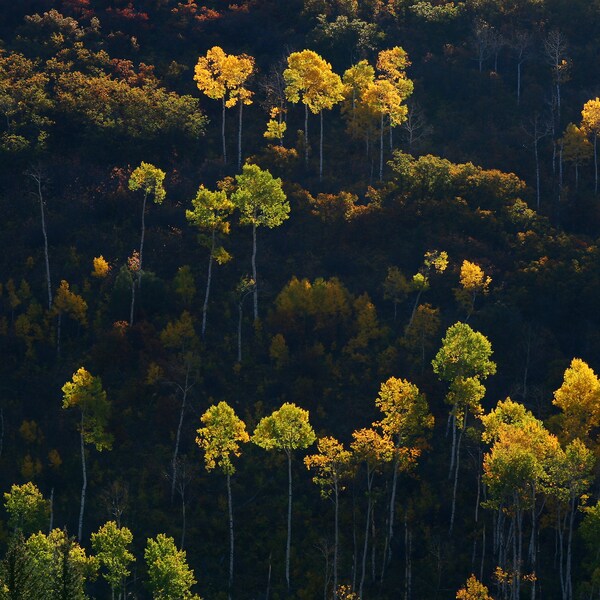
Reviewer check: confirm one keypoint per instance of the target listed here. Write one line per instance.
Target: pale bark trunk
(457, 461)
(306, 134)
(366, 541)
(336, 542)
(142, 239)
(83, 486)
(254, 276)
(231, 539)
(37, 177)
(223, 132)
(415, 306)
(178, 435)
(321, 149)
(289, 523)
(208, 282)
(239, 162)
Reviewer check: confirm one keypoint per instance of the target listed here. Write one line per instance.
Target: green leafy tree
(406, 422)
(286, 429)
(169, 576)
(210, 214)
(220, 439)
(60, 566)
(110, 544)
(17, 578)
(85, 395)
(332, 464)
(262, 203)
(26, 507)
(463, 361)
(311, 80)
(149, 179)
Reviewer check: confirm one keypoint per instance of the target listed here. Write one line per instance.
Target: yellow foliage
(474, 590)
(54, 459)
(30, 432)
(279, 351)
(101, 267)
(30, 467)
(67, 302)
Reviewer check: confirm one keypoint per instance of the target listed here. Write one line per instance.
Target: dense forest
(299, 299)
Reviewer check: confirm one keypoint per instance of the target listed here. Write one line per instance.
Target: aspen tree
(310, 79)
(149, 179)
(85, 394)
(590, 121)
(210, 213)
(220, 439)
(261, 201)
(223, 77)
(287, 429)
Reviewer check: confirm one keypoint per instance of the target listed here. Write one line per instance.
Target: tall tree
(110, 544)
(210, 214)
(149, 179)
(311, 80)
(331, 465)
(286, 429)
(261, 202)
(169, 576)
(220, 439)
(223, 77)
(463, 361)
(590, 120)
(406, 421)
(26, 507)
(473, 283)
(84, 393)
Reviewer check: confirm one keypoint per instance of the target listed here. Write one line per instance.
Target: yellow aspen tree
(473, 282)
(311, 80)
(67, 302)
(222, 76)
(590, 121)
(576, 148)
(473, 590)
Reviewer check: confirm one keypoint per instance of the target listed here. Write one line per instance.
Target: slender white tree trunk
(254, 276)
(37, 177)
(306, 134)
(223, 132)
(321, 149)
(231, 540)
(239, 162)
(208, 282)
(83, 486)
(366, 541)
(178, 435)
(336, 542)
(142, 239)
(457, 465)
(289, 522)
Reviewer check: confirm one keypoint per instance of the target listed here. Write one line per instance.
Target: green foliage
(260, 198)
(84, 392)
(221, 436)
(285, 429)
(110, 545)
(169, 576)
(149, 179)
(26, 507)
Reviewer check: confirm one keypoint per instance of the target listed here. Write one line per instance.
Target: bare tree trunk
(289, 523)
(452, 514)
(239, 162)
(366, 541)
(142, 239)
(36, 175)
(254, 275)
(321, 149)
(208, 282)
(83, 486)
(223, 132)
(306, 134)
(231, 540)
(184, 390)
(336, 542)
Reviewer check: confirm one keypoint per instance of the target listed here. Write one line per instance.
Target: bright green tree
(169, 576)
(26, 507)
(286, 429)
(149, 179)
(262, 203)
(84, 393)
(210, 214)
(110, 544)
(463, 360)
(220, 439)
